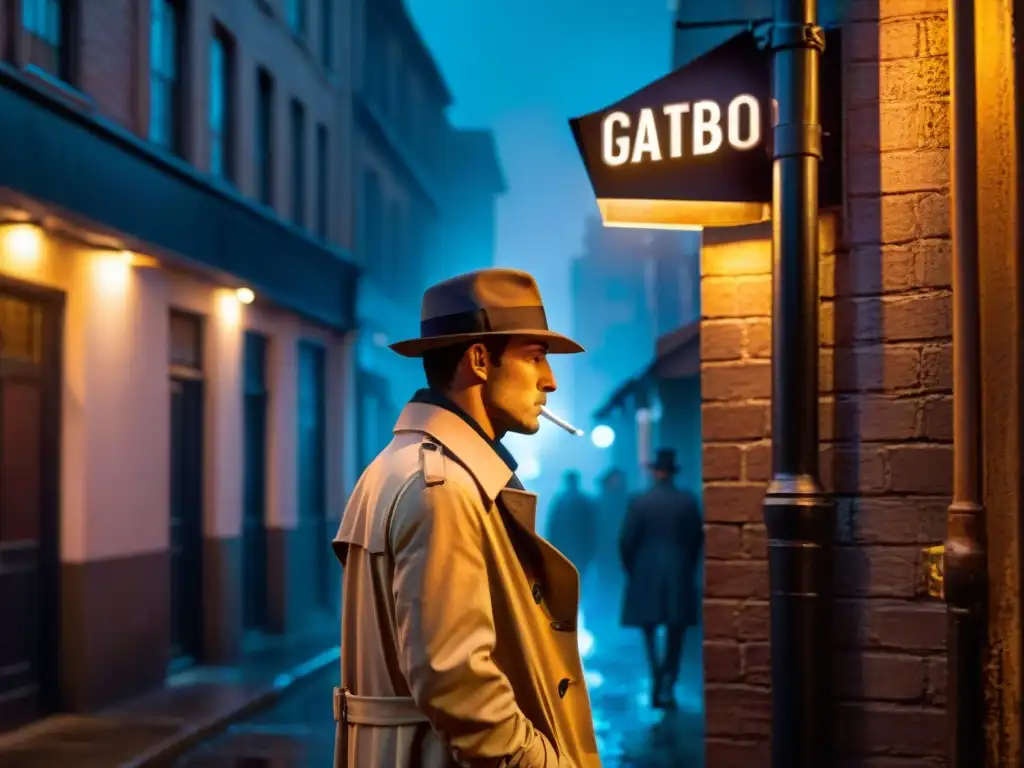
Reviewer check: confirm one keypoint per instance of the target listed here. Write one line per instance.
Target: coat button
(563, 686)
(563, 626)
(537, 594)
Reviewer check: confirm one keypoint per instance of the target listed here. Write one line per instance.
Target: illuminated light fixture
(602, 436)
(245, 295)
(22, 243)
(138, 260)
(688, 215)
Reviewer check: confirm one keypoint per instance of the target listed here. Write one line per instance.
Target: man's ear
(477, 355)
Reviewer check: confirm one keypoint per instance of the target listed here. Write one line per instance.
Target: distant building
(629, 287)
(175, 356)
(475, 181)
(424, 204)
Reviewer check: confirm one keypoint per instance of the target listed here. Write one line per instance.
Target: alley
(299, 731)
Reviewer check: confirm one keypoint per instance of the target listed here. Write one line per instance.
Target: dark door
(28, 516)
(186, 534)
(254, 532)
(312, 464)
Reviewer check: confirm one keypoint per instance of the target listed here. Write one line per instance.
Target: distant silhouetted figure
(660, 544)
(607, 580)
(572, 523)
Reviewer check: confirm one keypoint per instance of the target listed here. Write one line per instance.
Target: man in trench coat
(459, 642)
(661, 541)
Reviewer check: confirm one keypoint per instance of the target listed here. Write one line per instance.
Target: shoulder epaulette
(432, 463)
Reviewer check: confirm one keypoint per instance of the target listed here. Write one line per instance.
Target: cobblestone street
(299, 731)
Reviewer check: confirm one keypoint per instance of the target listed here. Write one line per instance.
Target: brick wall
(885, 415)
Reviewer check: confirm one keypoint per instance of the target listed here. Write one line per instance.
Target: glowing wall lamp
(602, 436)
(245, 295)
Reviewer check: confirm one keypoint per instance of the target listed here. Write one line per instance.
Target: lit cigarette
(560, 423)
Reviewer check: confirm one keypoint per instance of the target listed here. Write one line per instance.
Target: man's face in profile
(518, 386)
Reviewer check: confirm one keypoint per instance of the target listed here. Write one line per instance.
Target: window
(46, 22)
(322, 176)
(222, 78)
(297, 16)
(327, 33)
(165, 75)
(298, 163)
(371, 224)
(265, 137)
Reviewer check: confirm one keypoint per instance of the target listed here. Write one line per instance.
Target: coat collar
(459, 439)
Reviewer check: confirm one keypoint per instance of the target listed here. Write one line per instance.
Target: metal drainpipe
(965, 574)
(799, 517)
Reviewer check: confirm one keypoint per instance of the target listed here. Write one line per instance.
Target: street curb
(193, 734)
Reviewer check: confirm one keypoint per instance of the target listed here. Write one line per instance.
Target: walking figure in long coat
(459, 644)
(572, 523)
(661, 542)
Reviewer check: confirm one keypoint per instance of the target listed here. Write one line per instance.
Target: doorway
(186, 519)
(254, 531)
(29, 527)
(312, 465)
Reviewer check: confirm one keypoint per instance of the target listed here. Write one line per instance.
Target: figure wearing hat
(459, 643)
(661, 540)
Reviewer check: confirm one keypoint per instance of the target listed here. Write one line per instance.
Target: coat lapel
(562, 587)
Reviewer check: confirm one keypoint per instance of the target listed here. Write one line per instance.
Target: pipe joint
(965, 570)
(788, 35)
(796, 140)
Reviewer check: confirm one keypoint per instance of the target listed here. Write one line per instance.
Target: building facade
(885, 418)
(414, 177)
(176, 362)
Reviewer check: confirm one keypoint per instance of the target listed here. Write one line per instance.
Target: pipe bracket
(933, 566)
(785, 35)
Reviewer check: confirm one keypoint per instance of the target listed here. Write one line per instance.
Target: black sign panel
(691, 149)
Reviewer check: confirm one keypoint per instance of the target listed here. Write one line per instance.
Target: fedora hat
(665, 461)
(480, 305)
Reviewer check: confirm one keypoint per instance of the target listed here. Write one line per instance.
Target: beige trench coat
(458, 637)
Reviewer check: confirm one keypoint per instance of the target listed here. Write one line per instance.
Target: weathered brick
(852, 469)
(888, 219)
(876, 571)
(874, 10)
(912, 38)
(752, 620)
(889, 624)
(754, 295)
(733, 502)
(758, 338)
(889, 127)
(891, 728)
(749, 379)
(898, 171)
(921, 469)
(106, 59)
(722, 462)
(719, 297)
(881, 367)
(720, 618)
(935, 680)
(880, 677)
(937, 368)
(757, 462)
(721, 340)
(873, 418)
(757, 664)
(722, 663)
(733, 421)
(897, 520)
(744, 257)
(722, 542)
(894, 318)
(933, 215)
(736, 753)
(937, 419)
(737, 711)
(754, 541)
(736, 578)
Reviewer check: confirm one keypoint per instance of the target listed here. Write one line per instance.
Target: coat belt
(380, 711)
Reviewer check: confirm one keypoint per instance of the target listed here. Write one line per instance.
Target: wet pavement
(299, 731)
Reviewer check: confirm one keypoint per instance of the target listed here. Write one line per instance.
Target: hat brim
(556, 342)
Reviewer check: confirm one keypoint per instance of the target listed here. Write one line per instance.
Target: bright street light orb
(602, 436)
